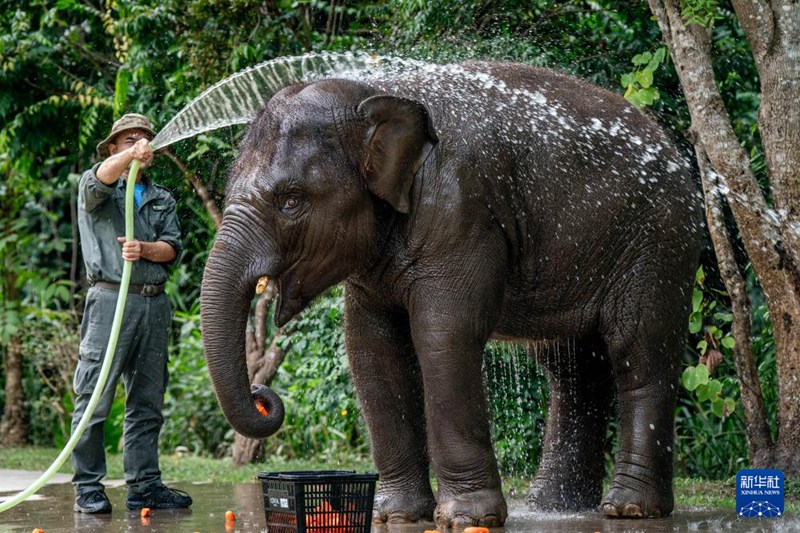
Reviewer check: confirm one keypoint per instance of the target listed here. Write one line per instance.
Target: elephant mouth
(289, 298)
(295, 286)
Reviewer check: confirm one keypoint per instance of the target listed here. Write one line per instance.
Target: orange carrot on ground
(145, 512)
(37, 530)
(230, 516)
(476, 530)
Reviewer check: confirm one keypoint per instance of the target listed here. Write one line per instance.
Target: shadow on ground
(51, 511)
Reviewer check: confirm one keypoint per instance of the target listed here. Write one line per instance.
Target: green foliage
(702, 12)
(710, 444)
(638, 84)
(192, 417)
(706, 445)
(591, 39)
(695, 379)
(717, 343)
(764, 352)
(322, 414)
(50, 343)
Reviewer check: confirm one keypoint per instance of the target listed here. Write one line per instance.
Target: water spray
(107, 359)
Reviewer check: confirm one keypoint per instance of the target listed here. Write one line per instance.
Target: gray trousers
(141, 360)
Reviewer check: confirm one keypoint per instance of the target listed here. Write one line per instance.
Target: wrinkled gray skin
(456, 209)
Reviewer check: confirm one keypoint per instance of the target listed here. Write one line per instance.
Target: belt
(134, 288)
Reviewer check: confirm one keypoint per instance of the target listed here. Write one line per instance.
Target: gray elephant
(462, 204)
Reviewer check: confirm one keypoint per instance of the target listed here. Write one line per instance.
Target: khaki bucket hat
(130, 121)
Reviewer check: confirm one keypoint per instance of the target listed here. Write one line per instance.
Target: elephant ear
(399, 137)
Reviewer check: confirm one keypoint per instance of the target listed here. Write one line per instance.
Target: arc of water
(238, 98)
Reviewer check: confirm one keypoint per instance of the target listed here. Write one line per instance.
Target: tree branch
(752, 401)
(758, 224)
(199, 187)
(758, 23)
(690, 47)
(330, 25)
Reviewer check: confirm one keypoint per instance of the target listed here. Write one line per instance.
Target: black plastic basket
(333, 501)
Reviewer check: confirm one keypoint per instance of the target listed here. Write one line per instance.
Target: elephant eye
(291, 201)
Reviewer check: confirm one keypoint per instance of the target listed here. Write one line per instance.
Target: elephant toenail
(609, 509)
(632, 510)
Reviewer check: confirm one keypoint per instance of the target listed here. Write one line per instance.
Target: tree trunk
(776, 49)
(14, 427)
(199, 187)
(752, 399)
(770, 236)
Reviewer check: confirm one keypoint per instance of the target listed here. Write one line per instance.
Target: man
(141, 353)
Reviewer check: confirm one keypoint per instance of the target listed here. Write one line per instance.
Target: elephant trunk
(226, 294)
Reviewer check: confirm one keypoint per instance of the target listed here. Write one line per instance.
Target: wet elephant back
(573, 177)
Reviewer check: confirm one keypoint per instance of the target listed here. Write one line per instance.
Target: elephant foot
(403, 507)
(641, 501)
(572, 493)
(480, 508)
(563, 489)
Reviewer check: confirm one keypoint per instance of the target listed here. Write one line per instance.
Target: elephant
(459, 205)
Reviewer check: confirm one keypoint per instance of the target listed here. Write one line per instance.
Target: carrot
(262, 409)
(37, 530)
(145, 512)
(325, 517)
(230, 516)
(476, 530)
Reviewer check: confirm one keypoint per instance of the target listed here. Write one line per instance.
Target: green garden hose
(109, 357)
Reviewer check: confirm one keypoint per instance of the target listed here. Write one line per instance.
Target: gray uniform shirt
(101, 219)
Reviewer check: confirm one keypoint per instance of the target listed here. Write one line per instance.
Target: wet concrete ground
(51, 511)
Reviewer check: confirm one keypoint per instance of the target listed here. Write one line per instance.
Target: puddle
(52, 512)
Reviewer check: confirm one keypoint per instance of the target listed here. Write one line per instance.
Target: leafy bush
(322, 413)
(192, 417)
(711, 439)
(711, 321)
(50, 342)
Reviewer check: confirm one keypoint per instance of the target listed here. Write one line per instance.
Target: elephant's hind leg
(646, 369)
(572, 468)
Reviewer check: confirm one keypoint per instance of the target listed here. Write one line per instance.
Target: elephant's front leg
(449, 338)
(387, 379)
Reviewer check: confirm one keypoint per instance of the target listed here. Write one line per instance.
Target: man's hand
(157, 252)
(141, 151)
(131, 250)
(122, 155)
